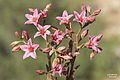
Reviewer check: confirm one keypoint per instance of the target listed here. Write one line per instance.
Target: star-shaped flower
(57, 37)
(33, 19)
(29, 49)
(59, 69)
(80, 17)
(65, 18)
(93, 43)
(42, 31)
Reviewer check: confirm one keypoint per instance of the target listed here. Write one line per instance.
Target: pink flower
(42, 31)
(58, 69)
(93, 43)
(33, 19)
(57, 37)
(65, 18)
(81, 18)
(29, 49)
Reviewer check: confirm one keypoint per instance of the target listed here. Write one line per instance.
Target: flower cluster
(64, 56)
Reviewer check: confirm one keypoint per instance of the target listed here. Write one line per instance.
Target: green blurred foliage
(12, 19)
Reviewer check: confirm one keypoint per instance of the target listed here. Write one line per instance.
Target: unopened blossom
(90, 19)
(25, 35)
(43, 31)
(17, 34)
(29, 49)
(16, 48)
(43, 13)
(40, 72)
(33, 19)
(93, 43)
(88, 8)
(58, 69)
(81, 18)
(77, 53)
(92, 55)
(57, 37)
(96, 12)
(65, 18)
(84, 33)
(31, 10)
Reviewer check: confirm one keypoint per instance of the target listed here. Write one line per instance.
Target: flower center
(54, 38)
(31, 49)
(34, 19)
(81, 19)
(42, 31)
(65, 20)
(57, 69)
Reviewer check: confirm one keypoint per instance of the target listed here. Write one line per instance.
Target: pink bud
(92, 56)
(83, 7)
(17, 34)
(31, 10)
(25, 35)
(84, 33)
(89, 8)
(96, 12)
(14, 43)
(15, 49)
(61, 48)
(99, 37)
(46, 50)
(77, 53)
(91, 19)
(40, 72)
(66, 57)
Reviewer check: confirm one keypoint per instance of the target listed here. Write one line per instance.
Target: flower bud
(77, 53)
(92, 56)
(15, 49)
(46, 50)
(25, 35)
(48, 6)
(40, 72)
(55, 61)
(13, 44)
(31, 10)
(90, 19)
(96, 12)
(83, 7)
(89, 8)
(17, 34)
(84, 33)
(62, 48)
(66, 57)
(99, 37)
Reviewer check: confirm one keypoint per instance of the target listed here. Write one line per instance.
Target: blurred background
(13, 67)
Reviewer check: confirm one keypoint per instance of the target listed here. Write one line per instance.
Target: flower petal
(37, 34)
(30, 42)
(33, 55)
(59, 18)
(48, 32)
(26, 55)
(35, 46)
(44, 36)
(39, 27)
(35, 13)
(28, 16)
(65, 14)
(28, 22)
(24, 47)
(46, 27)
